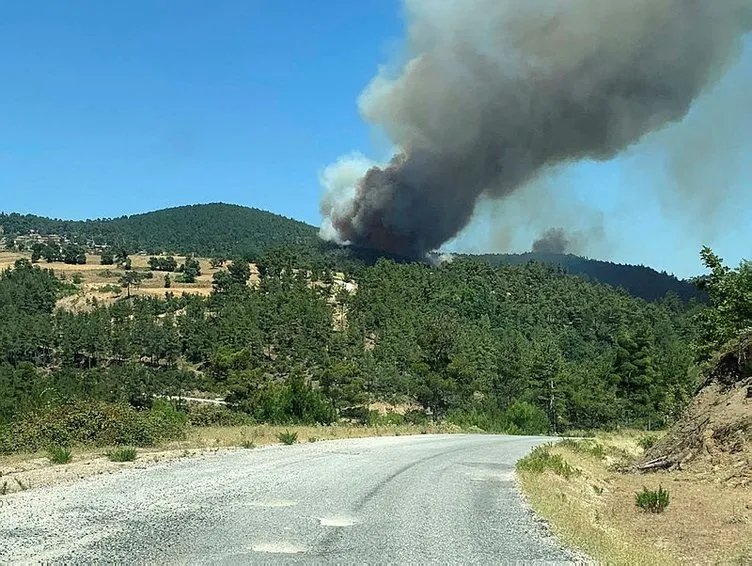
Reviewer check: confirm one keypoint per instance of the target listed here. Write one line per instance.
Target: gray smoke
(495, 91)
(552, 241)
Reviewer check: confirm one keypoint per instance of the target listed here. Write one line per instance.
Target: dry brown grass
(707, 521)
(26, 471)
(95, 277)
(262, 435)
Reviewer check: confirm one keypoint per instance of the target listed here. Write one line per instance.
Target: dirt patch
(714, 435)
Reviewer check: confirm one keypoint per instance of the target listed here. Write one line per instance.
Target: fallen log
(657, 464)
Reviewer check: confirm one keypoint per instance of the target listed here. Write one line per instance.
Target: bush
(109, 288)
(647, 441)
(590, 447)
(541, 460)
(651, 500)
(127, 454)
(95, 423)
(291, 402)
(416, 417)
(217, 415)
(59, 454)
(518, 418)
(288, 438)
(375, 418)
(6, 440)
(359, 414)
(526, 418)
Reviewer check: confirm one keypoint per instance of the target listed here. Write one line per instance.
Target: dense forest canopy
(205, 230)
(640, 281)
(225, 230)
(515, 348)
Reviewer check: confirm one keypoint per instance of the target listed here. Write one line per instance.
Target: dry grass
(24, 471)
(263, 435)
(707, 522)
(94, 279)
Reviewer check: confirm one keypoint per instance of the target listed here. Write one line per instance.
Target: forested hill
(512, 348)
(638, 280)
(202, 229)
(229, 230)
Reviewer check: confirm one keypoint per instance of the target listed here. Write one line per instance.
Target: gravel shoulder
(432, 498)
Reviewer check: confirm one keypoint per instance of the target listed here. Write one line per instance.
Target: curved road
(426, 499)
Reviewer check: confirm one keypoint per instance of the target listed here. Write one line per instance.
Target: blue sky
(111, 108)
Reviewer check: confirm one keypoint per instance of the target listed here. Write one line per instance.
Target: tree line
(219, 230)
(525, 348)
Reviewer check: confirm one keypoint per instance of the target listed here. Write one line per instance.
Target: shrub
(216, 415)
(541, 460)
(391, 418)
(96, 423)
(518, 418)
(291, 402)
(527, 418)
(651, 500)
(125, 454)
(249, 444)
(109, 288)
(359, 414)
(647, 441)
(59, 454)
(416, 417)
(6, 439)
(288, 437)
(590, 447)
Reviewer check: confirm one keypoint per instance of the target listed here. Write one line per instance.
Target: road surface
(427, 499)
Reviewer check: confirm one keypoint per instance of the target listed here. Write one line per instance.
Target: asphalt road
(408, 500)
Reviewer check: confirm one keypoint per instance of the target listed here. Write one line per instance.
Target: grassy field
(19, 472)
(102, 281)
(707, 520)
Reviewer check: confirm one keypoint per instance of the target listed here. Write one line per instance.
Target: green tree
(130, 279)
(240, 271)
(74, 254)
(634, 373)
(730, 294)
(107, 257)
(191, 270)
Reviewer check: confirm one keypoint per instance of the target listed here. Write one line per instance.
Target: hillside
(220, 229)
(203, 229)
(638, 280)
(514, 348)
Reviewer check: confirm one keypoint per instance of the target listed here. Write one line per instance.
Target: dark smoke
(496, 91)
(552, 241)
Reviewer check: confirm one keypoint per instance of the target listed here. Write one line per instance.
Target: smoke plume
(494, 92)
(552, 241)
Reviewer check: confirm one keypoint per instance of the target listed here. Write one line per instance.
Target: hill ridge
(225, 229)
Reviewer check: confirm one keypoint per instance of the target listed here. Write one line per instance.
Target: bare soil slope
(715, 432)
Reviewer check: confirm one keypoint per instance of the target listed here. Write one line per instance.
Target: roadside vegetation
(124, 454)
(682, 496)
(621, 517)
